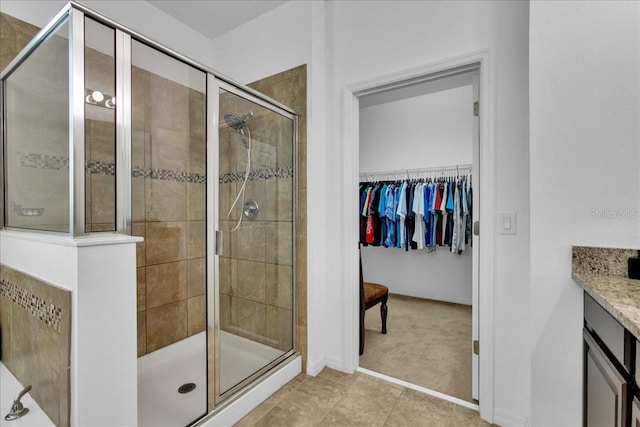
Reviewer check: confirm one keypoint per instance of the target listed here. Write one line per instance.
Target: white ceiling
(215, 17)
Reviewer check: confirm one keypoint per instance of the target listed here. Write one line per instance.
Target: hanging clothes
(418, 214)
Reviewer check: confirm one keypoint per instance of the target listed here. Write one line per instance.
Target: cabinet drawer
(600, 322)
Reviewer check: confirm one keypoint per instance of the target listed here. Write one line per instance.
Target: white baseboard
(509, 420)
(230, 414)
(314, 367)
(339, 365)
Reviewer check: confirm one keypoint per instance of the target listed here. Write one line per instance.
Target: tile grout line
(330, 410)
(394, 406)
(452, 415)
(277, 402)
(421, 389)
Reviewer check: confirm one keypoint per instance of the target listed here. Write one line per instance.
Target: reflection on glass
(256, 217)
(37, 138)
(100, 127)
(168, 139)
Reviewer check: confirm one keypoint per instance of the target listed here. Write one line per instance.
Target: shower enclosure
(106, 132)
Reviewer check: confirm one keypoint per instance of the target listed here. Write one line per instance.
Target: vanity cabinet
(609, 364)
(605, 388)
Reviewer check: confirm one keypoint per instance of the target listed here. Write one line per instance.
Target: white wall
(267, 45)
(138, 15)
(430, 130)
(585, 157)
(426, 130)
(420, 33)
(511, 298)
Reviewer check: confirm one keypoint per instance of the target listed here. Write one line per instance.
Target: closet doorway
(419, 144)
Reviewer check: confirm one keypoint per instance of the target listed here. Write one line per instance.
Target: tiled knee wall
(35, 322)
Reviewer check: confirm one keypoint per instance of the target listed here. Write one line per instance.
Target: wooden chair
(370, 295)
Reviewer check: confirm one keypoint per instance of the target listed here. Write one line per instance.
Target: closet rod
(433, 172)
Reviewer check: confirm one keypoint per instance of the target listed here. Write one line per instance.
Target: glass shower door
(254, 308)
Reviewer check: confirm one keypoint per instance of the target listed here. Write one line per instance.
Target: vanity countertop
(620, 296)
(602, 274)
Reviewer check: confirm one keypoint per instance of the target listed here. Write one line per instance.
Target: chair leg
(361, 332)
(383, 314)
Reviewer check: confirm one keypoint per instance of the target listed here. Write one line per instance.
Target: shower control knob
(251, 209)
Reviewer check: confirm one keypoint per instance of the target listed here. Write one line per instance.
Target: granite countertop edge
(620, 296)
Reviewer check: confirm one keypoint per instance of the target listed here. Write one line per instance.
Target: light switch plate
(507, 223)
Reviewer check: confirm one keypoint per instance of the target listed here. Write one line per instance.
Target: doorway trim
(350, 173)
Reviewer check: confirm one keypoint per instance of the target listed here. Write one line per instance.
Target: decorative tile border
(168, 175)
(101, 168)
(40, 161)
(33, 304)
(259, 174)
(43, 161)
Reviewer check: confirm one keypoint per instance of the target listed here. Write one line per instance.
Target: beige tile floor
(428, 343)
(334, 398)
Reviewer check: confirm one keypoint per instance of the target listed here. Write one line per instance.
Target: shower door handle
(218, 250)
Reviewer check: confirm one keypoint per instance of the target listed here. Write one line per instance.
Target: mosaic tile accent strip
(101, 168)
(259, 174)
(49, 313)
(168, 175)
(43, 161)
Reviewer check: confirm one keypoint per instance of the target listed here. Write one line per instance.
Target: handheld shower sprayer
(239, 124)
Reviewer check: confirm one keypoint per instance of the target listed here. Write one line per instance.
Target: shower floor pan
(162, 372)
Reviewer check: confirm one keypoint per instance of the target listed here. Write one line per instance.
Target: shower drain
(186, 388)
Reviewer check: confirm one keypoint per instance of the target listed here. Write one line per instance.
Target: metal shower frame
(73, 13)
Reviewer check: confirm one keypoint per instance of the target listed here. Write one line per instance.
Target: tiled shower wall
(35, 326)
(168, 209)
(14, 36)
(290, 88)
(37, 151)
(100, 136)
(48, 169)
(256, 267)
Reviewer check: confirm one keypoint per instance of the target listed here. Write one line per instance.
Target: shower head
(237, 122)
